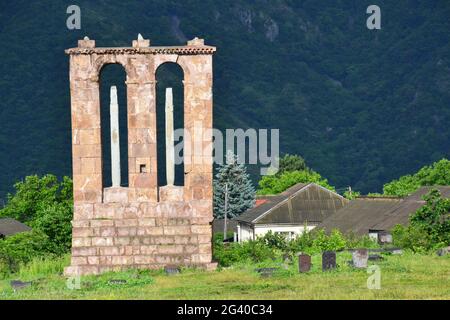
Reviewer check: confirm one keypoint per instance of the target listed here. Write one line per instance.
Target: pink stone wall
(143, 225)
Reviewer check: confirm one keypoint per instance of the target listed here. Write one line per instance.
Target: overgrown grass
(410, 276)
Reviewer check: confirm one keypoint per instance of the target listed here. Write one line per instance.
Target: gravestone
(117, 282)
(266, 272)
(17, 284)
(360, 258)
(304, 263)
(171, 270)
(328, 260)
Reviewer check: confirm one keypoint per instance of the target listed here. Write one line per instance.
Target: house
(360, 215)
(288, 213)
(218, 225)
(9, 227)
(376, 216)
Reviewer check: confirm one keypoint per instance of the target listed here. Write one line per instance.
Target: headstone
(170, 148)
(328, 260)
(115, 141)
(359, 258)
(171, 270)
(117, 281)
(304, 263)
(17, 284)
(397, 251)
(266, 272)
(443, 251)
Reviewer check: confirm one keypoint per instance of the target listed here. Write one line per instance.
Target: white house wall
(261, 230)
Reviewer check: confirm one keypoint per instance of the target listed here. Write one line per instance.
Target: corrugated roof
(9, 227)
(360, 215)
(378, 213)
(302, 203)
(401, 213)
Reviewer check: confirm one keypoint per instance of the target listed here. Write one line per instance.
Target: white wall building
(303, 205)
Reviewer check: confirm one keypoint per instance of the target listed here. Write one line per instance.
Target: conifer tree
(241, 193)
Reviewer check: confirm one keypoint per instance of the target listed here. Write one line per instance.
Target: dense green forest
(361, 106)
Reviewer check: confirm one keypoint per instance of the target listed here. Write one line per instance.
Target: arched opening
(114, 75)
(169, 75)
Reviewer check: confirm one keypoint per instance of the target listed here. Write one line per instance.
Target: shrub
(249, 251)
(21, 248)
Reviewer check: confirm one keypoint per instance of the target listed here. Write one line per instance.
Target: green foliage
(55, 221)
(291, 163)
(412, 237)
(249, 251)
(241, 193)
(350, 195)
(429, 226)
(21, 248)
(275, 184)
(46, 205)
(271, 246)
(436, 174)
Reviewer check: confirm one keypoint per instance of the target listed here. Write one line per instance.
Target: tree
(241, 193)
(46, 205)
(436, 174)
(278, 183)
(291, 163)
(429, 226)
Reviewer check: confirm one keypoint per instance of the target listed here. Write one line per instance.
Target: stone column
(115, 141)
(170, 152)
(86, 142)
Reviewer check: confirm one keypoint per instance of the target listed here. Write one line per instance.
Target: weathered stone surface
(142, 226)
(360, 258)
(328, 260)
(304, 263)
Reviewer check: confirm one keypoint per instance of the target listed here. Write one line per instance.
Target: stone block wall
(143, 225)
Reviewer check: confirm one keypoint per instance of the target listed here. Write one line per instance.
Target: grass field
(402, 277)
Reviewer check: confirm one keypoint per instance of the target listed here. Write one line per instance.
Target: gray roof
(378, 213)
(401, 213)
(300, 204)
(9, 227)
(360, 215)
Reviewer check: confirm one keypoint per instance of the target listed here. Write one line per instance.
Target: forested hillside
(361, 106)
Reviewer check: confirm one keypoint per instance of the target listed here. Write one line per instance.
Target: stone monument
(144, 225)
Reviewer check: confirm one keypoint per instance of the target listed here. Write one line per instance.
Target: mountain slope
(363, 107)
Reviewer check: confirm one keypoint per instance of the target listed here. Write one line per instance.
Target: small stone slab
(328, 260)
(443, 251)
(117, 281)
(360, 258)
(171, 270)
(18, 285)
(304, 263)
(266, 272)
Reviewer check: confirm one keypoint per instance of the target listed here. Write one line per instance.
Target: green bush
(249, 251)
(429, 226)
(21, 248)
(272, 246)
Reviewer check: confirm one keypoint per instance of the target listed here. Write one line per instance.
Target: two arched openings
(168, 75)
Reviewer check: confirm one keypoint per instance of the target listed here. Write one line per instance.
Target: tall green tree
(275, 184)
(436, 174)
(290, 163)
(241, 193)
